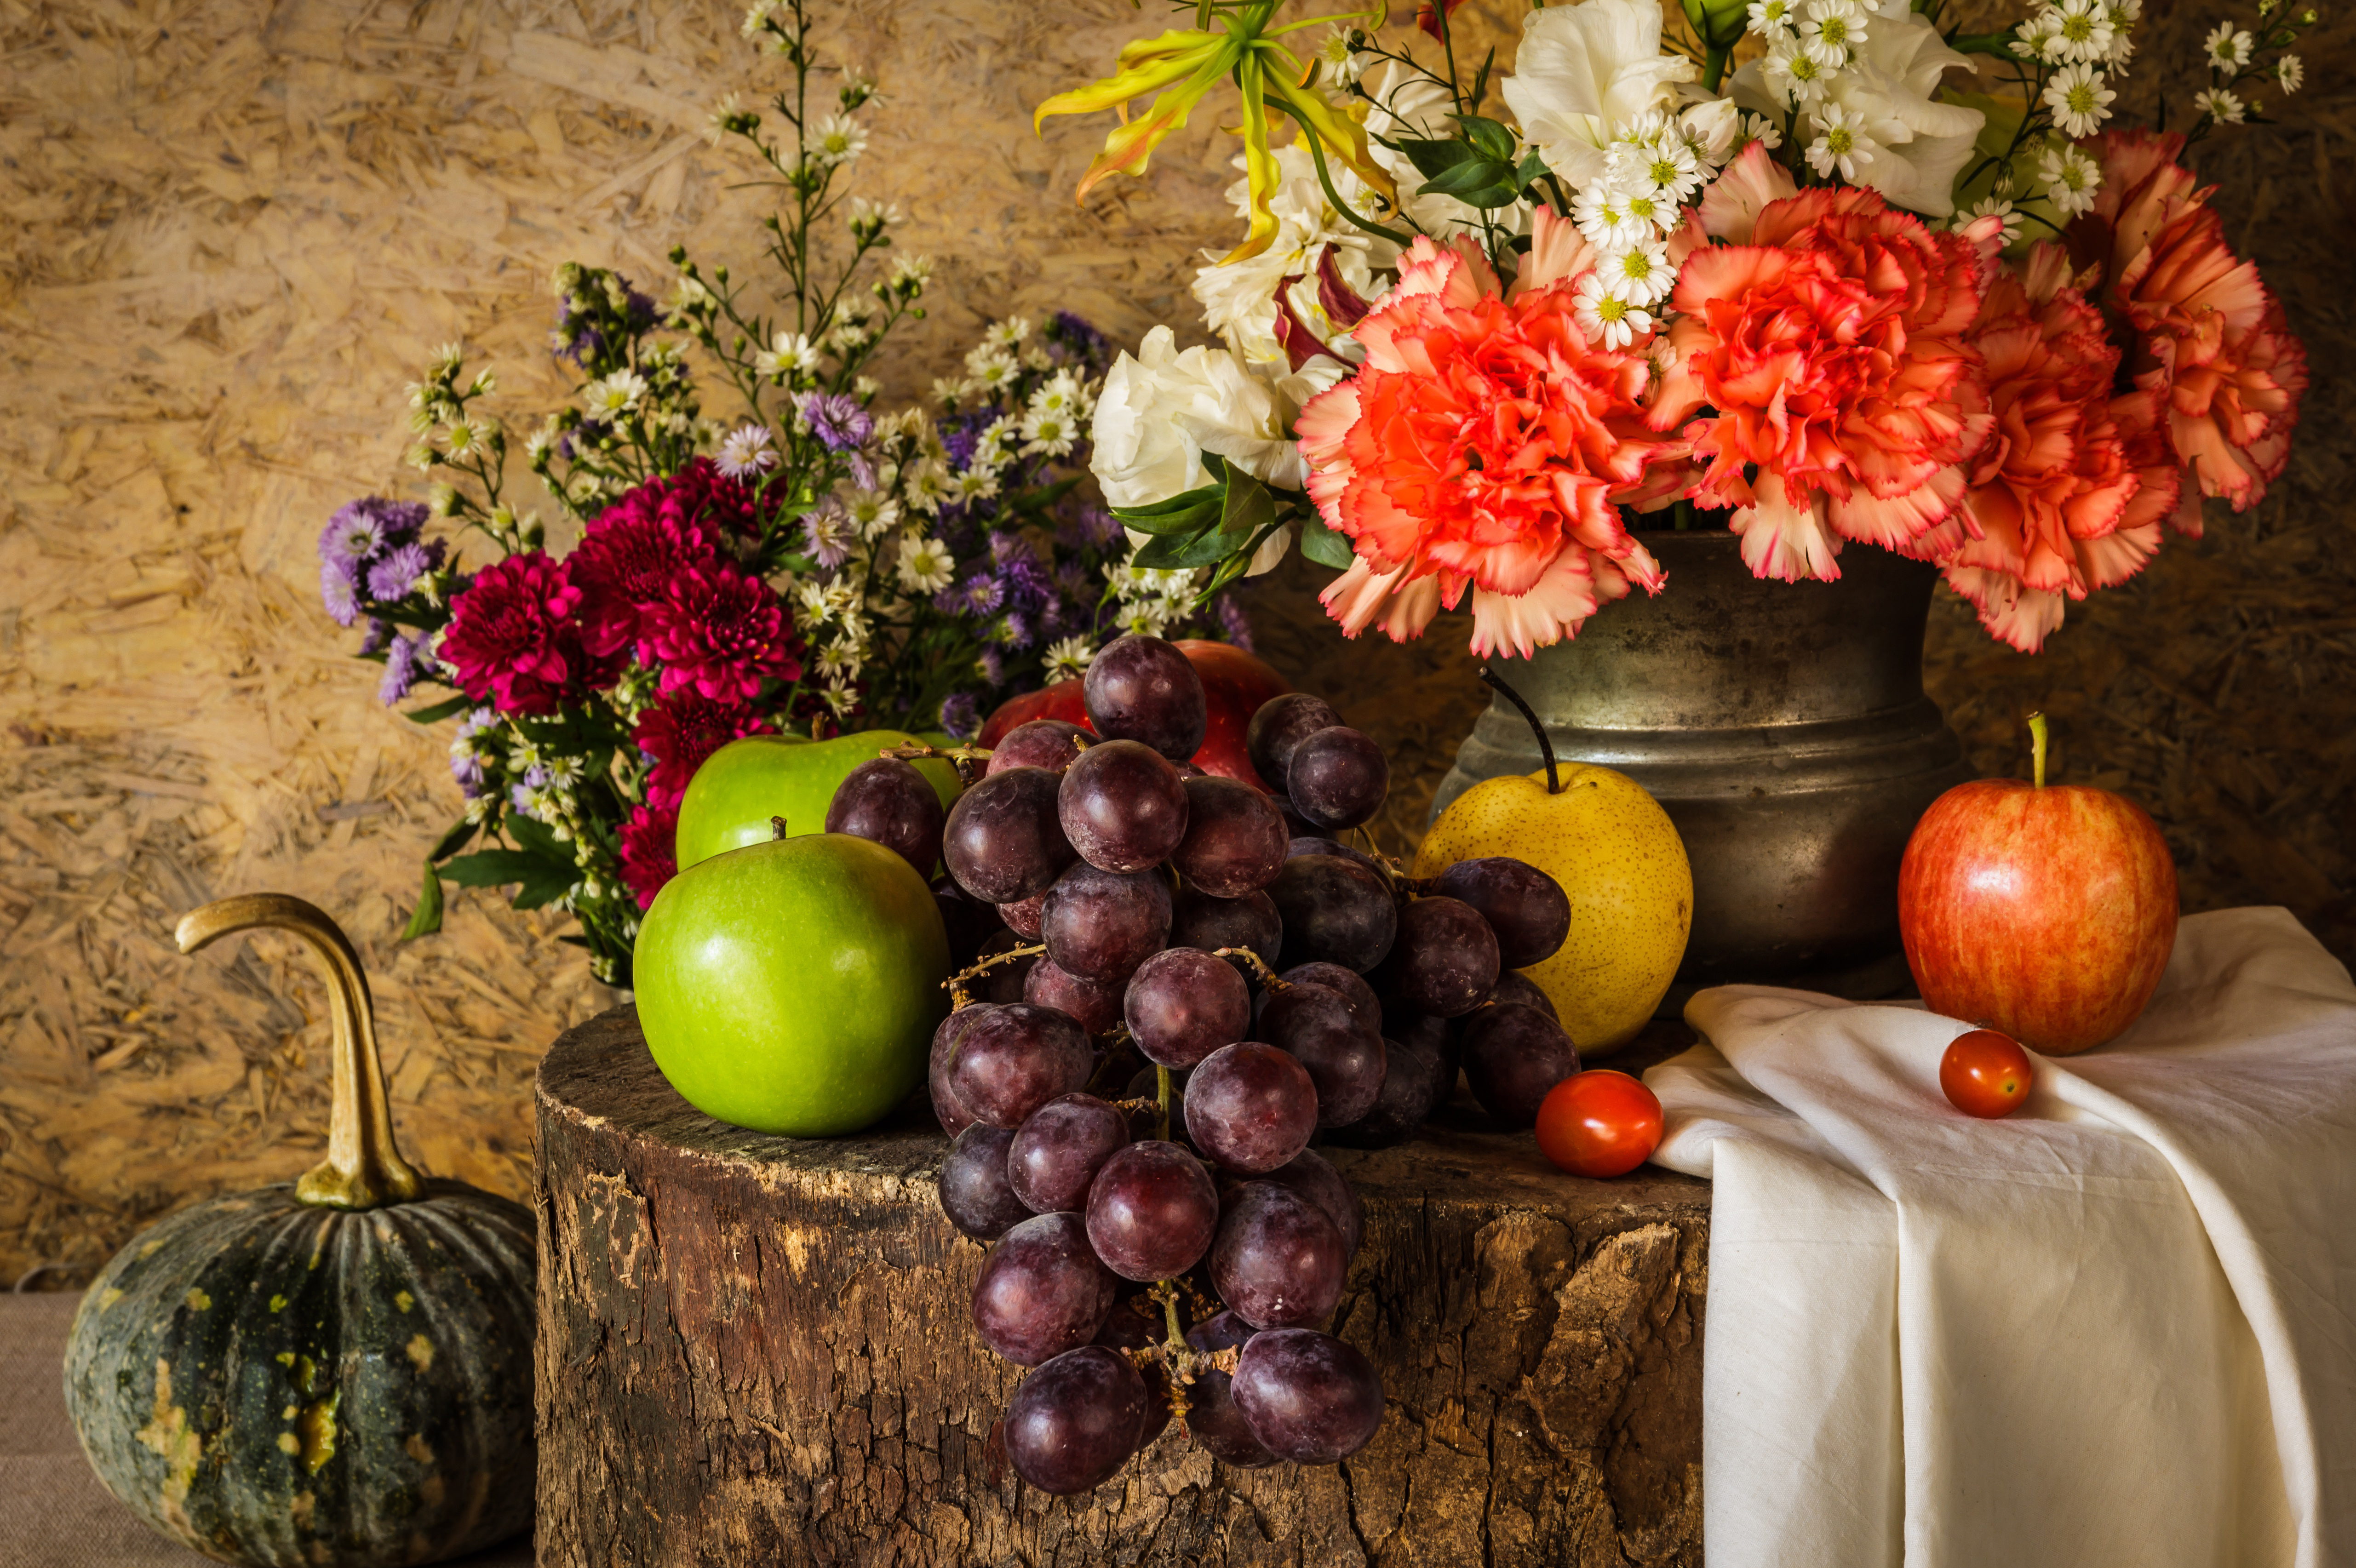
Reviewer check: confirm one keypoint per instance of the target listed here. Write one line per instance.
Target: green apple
(740, 787)
(793, 987)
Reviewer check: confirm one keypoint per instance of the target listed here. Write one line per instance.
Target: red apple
(1235, 684)
(2045, 911)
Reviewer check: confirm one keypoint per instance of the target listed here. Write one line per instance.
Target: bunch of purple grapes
(1182, 981)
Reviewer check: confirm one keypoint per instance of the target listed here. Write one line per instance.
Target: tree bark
(757, 1350)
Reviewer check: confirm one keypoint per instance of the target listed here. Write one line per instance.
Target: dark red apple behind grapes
(2045, 911)
(1234, 684)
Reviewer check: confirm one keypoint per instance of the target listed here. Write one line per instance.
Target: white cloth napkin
(2115, 1327)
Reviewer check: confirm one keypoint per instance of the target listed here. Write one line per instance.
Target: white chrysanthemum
(814, 610)
(2084, 30)
(927, 485)
(1833, 30)
(1795, 76)
(871, 512)
(1602, 213)
(975, 483)
(1841, 143)
(792, 356)
(1992, 207)
(1584, 70)
(1665, 166)
(994, 447)
(1337, 64)
(2290, 73)
(2219, 105)
(746, 453)
(2071, 178)
(2226, 50)
(950, 390)
(2037, 34)
(614, 395)
(1641, 273)
(1759, 128)
(1145, 618)
(1651, 208)
(1047, 434)
(911, 271)
(2079, 100)
(1062, 394)
(837, 139)
(1772, 19)
(926, 565)
(1606, 314)
(730, 106)
(1067, 658)
(1009, 333)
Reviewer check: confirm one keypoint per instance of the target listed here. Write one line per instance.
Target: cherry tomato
(1985, 1074)
(1598, 1123)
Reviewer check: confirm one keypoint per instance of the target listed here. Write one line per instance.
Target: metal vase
(1783, 727)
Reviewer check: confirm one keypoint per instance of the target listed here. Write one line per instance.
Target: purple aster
(993, 667)
(828, 535)
(838, 421)
(393, 576)
(1076, 335)
(337, 592)
(1233, 621)
(466, 764)
(979, 594)
(1072, 579)
(961, 715)
(958, 437)
(373, 639)
(404, 661)
(1099, 528)
(1016, 629)
(521, 794)
(1026, 583)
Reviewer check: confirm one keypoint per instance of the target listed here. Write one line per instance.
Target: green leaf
(1323, 544)
(1476, 182)
(1489, 139)
(450, 843)
(536, 836)
(1249, 507)
(1434, 155)
(1202, 514)
(1176, 554)
(426, 918)
(449, 708)
(1530, 168)
(492, 867)
(552, 883)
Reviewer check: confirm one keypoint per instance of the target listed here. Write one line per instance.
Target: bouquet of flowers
(809, 565)
(1824, 268)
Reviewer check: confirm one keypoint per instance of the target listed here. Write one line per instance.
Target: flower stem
(1713, 66)
(1546, 747)
(2036, 747)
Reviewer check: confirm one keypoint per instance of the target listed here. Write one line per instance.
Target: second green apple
(735, 793)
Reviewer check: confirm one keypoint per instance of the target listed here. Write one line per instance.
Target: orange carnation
(1485, 442)
(2068, 493)
(1828, 341)
(2209, 340)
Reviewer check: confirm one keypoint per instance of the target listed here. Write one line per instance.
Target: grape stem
(1161, 1090)
(1546, 746)
(2036, 747)
(966, 760)
(1258, 964)
(955, 984)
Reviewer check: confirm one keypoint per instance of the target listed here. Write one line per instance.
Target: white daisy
(793, 356)
(1007, 334)
(1067, 657)
(746, 453)
(927, 485)
(1795, 76)
(2071, 178)
(614, 395)
(1605, 313)
(2038, 37)
(911, 274)
(2083, 29)
(1146, 618)
(1841, 142)
(1601, 214)
(1667, 166)
(2079, 100)
(2227, 50)
(976, 484)
(2290, 73)
(1338, 63)
(2219, 105)
(1047, 433)
(837, 139)
(1772, 19)
(1995, 207)
(926, 565)
(1641, 274)
(872, 513)
(1833, 30)
(1758, 128)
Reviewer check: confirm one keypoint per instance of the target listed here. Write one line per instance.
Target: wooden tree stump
(756, 1351)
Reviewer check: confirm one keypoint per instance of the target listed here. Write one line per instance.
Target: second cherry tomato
(1985, 1074)
(1598, 1123)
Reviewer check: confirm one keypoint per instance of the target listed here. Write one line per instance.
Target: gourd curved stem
(363, 1169)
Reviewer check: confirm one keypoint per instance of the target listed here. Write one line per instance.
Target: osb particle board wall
(233, 231)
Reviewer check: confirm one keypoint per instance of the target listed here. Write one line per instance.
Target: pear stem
(363, 1169)
(2036, 747)
(1546, 747)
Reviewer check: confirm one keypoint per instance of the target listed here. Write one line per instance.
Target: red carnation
(682, 730)
(650, 851)
(722, 633)
(514, 637)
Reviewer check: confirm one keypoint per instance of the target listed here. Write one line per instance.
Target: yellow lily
(1181, 66)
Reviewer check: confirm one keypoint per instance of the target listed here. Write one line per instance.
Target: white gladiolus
(1583, 70)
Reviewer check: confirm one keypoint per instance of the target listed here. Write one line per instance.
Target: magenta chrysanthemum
(682, 730)
(513, 637)
(649, 854)
(720, 633)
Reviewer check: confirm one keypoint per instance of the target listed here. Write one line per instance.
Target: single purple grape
(1416, 1080)
(1307, 1396)
(1339, 777)
(1016, 1059)
(1050, 1159)
(1443, 960)
(1041, 1291)
(1134, 1325)
(1122, 806)
(1251, 1107)
(1023, 916)
(1364, 1006)
(1097, 1007)
(1316, 1028)
(1183, 1004)
(1003, 840)
(1279, 1262)
(1074, 1422)
(1310, 1174)
(1333, 911)
(1526, 908)
(888, 802)
(1515, 986)
(1049, 743)
(947, 1109)
(1152, 1211)
(1142, 688)
(1513, 1056)
(1198, 919)
(1235, 839)
(974, 1190)
(1100, 925)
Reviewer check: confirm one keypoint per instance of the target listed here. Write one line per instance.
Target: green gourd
(335, 1373)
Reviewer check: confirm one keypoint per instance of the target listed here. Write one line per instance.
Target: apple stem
(1161, 1089)
(1546, 747)
(2036, 747)
(777, 828)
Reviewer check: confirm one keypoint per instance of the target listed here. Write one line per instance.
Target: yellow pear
(1619, 860)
